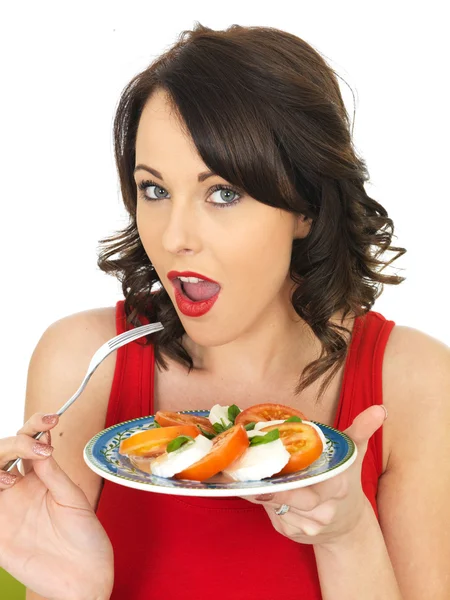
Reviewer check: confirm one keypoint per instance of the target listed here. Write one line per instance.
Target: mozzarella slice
(262, 424)
(217, 413)
(254, 432)
(171, 463)
(259, 462)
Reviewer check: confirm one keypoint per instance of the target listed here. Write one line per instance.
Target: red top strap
(362, 385)
(133, 382)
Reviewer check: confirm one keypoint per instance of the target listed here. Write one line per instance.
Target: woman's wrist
(364, 546)
(365, 523)
(98, 593)
(99, 596)
(105, 594)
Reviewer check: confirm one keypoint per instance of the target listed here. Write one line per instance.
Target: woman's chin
(206, 337)
(206, 333)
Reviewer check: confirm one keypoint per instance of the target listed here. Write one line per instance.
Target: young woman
(237, 167)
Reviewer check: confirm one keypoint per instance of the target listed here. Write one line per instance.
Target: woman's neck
(279, 344)
(274, 343)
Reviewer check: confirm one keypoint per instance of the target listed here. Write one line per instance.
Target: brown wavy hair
(265, 112)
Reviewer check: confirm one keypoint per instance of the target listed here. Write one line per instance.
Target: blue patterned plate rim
(102, 456)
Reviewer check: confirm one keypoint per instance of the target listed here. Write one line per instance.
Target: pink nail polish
(7, 478)
(265, 497)
(42, 449)
(50, 419)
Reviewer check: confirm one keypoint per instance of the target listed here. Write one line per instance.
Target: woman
(237, 168)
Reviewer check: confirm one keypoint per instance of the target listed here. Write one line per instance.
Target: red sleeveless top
(187, 547)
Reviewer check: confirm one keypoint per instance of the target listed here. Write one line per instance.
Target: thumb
(365, 425)
(61, 487)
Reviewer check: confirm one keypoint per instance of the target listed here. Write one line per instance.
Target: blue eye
(156, 194)
(151, 191)
(227, 196)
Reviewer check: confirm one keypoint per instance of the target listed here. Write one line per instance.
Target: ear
(302, 227)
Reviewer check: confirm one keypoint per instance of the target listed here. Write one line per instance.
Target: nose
(181, 234)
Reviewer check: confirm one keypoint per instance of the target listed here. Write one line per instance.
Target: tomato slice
(301, 441)
(154, 441)
(166, 418)
(227, 447)
(267, 412)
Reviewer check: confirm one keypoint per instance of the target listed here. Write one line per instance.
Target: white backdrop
(63, 67)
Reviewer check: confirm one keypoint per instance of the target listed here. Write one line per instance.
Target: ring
(282, 510)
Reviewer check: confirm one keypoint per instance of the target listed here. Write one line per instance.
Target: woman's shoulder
(71, 340)
(414, 358)
(93, 323)
(416, 365)
(416, 388)
(62, 355)
(57, 367)
(410, 350)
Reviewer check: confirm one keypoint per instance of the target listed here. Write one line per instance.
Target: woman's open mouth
(195, 294)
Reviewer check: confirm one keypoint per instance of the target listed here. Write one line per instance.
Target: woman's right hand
(50, 537)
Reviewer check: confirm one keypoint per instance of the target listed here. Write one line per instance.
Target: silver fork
(99, 356)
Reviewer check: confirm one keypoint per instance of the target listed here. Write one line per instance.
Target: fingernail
(385, 410)
(50, 419)
(7, 478)
(42, 449)
(265, 497)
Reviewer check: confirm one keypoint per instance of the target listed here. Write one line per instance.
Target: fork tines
(137, 332)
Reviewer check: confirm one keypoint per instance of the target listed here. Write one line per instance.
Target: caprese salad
(261, 441)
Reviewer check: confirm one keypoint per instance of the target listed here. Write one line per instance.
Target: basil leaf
(218, 428)
(294, 419)
(233, 412)
(156, 424)
(221, 427)
(210, 436)
(250, 426)
(178, 442)
(271, 436)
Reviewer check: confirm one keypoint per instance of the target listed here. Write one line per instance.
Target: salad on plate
(262, 441)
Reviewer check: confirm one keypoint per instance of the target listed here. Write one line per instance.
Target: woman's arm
(412, 547)
(55, 371)
(358, 564)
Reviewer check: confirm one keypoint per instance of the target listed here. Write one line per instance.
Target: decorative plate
(102, 456)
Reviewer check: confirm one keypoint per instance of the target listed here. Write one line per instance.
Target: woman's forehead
(159, 117)
(162, 142)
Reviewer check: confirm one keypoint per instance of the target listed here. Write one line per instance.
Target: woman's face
(188, 227)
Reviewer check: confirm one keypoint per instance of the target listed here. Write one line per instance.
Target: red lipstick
(188, 306)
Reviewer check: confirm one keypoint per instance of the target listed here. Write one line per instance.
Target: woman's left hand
(324, 512)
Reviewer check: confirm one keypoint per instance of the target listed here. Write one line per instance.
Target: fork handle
(37, 436)
(95, 362)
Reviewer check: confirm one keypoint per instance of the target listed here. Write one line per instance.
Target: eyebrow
(201, 176)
